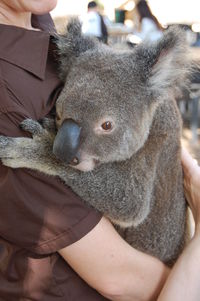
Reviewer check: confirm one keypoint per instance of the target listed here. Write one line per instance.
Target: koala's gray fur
(134, 172)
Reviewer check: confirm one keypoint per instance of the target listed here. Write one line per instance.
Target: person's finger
(189, 164)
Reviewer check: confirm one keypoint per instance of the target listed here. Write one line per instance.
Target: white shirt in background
(149, 31)
(91, 24)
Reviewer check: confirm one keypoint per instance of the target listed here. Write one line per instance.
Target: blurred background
(124, 25)
(125, 12)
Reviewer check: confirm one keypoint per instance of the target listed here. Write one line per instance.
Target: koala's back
(163, 232)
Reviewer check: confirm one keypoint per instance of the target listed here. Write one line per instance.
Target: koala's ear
(71, 44)
(167, 63)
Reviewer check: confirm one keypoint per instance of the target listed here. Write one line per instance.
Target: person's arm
(184, 280)
(115, 269)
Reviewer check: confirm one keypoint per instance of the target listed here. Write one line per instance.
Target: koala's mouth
(86, 165)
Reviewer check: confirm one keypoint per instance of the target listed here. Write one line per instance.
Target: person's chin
(44, 7)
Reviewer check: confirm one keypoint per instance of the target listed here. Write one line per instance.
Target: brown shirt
(38, 214)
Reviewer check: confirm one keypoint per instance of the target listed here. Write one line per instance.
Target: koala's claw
(4, 141)
(32, 127)
(5, 144)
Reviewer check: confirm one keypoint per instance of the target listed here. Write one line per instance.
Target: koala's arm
(34, 153)
(120, 196)
(121, 191)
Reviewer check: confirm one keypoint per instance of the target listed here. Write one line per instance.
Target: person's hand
(192, 185)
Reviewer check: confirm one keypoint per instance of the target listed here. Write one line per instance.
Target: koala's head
(109, 99)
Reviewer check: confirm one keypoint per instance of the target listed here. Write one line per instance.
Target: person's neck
(8, 16)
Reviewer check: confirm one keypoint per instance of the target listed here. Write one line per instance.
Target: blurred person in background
(52, 246)
(93, 23)
(149, 26)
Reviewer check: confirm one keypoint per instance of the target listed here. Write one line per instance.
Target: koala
(117, 137)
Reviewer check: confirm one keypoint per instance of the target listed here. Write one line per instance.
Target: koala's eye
(106, 126)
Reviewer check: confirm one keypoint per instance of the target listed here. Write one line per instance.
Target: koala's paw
(6, 144)
(11, 153)
(13, 163)
(32, 127)
(4, 141)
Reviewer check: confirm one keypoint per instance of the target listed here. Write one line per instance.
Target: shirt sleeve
(38, 212)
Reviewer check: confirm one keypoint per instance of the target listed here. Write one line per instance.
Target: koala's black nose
(67, 142)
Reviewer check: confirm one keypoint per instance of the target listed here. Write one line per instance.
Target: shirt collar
(27, 49)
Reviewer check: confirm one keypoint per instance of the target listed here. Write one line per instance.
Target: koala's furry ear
(71, 44)
(165, 64)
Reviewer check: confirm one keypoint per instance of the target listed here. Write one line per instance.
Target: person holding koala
(40, 218)
(183, 281)
(52, 246)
